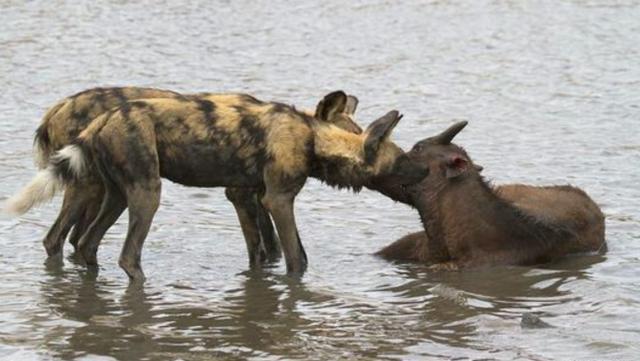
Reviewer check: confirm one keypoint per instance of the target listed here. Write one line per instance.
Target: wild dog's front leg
(281, 208)
(278, 200)
(244, 201)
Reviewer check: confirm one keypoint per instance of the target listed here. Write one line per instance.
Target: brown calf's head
(447, 162)
(338, 108)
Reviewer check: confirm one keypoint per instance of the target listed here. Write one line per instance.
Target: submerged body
(469, 224)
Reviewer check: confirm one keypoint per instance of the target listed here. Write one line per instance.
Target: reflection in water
(271, 314)
(139, 325)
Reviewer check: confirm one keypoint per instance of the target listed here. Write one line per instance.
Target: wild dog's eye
(417, 148)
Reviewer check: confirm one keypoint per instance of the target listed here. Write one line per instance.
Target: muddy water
(550, 89)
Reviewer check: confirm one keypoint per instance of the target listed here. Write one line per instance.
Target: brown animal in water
(64, 121)
(224, 140)
(468, 223)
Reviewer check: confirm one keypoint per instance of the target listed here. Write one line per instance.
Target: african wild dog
(468, 223)
(64, 121)
(225, 140)
(61, 124)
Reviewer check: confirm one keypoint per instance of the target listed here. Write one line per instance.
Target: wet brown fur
(469, 224)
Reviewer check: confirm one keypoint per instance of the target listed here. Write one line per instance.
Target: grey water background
(551, 90)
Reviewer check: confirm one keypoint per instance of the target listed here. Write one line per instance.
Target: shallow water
(550, 89)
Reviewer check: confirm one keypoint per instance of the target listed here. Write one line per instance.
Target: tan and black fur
(64, 121)
(225, 140)
(468, 223)
(61, 124)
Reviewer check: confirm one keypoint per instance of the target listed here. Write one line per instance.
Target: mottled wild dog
(226, 140)
(64, 121)
(61, 124)
(468, 223)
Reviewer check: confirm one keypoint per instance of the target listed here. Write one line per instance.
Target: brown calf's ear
(352, 104)
(377, 132)
(456, 166)
(332, 104)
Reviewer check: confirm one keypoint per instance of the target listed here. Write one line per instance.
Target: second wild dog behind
(226, 142)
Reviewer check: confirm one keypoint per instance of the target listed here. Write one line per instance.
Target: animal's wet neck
(455, 204)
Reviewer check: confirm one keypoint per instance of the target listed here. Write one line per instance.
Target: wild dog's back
(66, 119)
(214, 140)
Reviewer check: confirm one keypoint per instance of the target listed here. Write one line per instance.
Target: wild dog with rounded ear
(467, 223)
(223, 141)
(64, 121)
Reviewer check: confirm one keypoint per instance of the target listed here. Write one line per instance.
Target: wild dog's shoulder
(331, 141)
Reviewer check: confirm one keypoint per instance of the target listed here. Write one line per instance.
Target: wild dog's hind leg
(69, 214)
(143, 200)
(270, 240)
(280, 194)
(113, 204)
(91, 200)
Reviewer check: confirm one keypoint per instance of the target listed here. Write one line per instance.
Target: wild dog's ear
(332, 104)
(377, 132)
(352, 104)
(455, 166)
(479, 168)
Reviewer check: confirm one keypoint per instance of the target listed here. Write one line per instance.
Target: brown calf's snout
(409, 171)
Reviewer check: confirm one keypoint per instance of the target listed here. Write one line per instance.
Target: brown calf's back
(556, 205)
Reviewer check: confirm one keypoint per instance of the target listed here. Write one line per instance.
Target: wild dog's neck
(339, 158)
(468, 211)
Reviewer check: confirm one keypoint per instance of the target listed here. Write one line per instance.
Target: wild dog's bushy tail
(66, 165)
(42, 147)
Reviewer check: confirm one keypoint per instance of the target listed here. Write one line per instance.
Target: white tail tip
(41, 189)
(73, 154)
